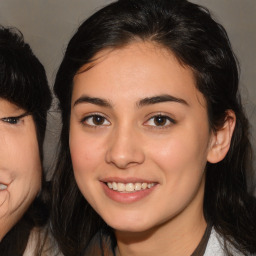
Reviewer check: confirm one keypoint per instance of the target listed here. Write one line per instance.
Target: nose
(125, 149)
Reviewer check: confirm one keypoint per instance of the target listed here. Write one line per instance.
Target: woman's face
(20, 166)
(139, 138)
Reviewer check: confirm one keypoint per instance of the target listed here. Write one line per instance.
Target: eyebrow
(92, 100)
(143, 102)
(160, 99)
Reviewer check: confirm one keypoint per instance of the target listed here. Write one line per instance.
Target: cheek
(87, 156)
(24, 165)
(85, 152)
(181, 162)
(182, 154)
(22, 155)
(29, 163)
(79, 150)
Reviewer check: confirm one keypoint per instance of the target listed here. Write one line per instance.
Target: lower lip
(123, 197)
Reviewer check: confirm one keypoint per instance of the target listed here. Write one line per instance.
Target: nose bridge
(124, 148)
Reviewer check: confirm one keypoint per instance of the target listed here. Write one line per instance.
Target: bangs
(22, 79)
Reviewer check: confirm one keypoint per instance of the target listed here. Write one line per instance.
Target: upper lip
(126, 180)
(5, 183)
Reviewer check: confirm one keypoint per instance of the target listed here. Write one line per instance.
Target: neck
(178, 236)
(153, 242)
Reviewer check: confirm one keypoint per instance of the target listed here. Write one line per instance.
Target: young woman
(155, 153)
(24, 100)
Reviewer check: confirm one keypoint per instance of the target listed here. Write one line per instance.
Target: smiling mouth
(129, 187)
(3, 186)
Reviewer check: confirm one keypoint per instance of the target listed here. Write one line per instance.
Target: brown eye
(95, 120)
(160, 120)
(98, 120)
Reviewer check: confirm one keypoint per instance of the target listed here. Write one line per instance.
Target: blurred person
(24, 101)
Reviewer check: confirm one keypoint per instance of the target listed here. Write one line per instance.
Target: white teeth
(3, 187)
(137, 186)
(129, 187)
(144, 185)
(120, 187)
(114, 185)
(110, 185)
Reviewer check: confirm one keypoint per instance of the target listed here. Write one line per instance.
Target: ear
(221, 139)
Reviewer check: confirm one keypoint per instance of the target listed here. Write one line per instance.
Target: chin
(129, 226)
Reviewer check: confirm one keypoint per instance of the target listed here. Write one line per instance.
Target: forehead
(8, 107)
(136, 69)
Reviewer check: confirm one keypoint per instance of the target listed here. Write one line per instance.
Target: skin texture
(20, 166)
(128, 145)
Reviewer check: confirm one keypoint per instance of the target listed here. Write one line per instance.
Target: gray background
(47, 26)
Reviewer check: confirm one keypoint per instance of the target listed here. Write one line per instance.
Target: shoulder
(41, 243)
(216, 246)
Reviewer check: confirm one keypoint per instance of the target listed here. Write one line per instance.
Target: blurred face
(20, 167)
(139, 138)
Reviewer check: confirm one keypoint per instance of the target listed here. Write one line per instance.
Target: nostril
(125, 158)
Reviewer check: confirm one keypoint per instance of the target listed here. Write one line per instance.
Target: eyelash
(89, 121)
(85, 122)
(166, 118)
(10, 120)
(13, 120)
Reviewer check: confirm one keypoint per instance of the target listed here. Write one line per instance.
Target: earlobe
(221, 139)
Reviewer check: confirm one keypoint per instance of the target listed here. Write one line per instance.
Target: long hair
(199, 42)
(23, 82)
